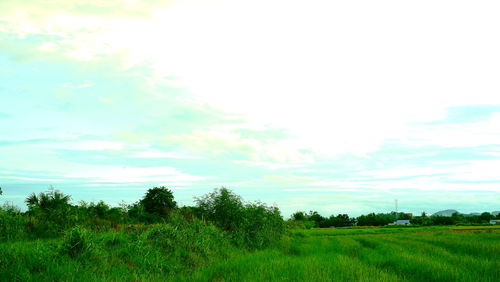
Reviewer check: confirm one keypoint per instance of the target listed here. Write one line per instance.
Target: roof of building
(402, 221)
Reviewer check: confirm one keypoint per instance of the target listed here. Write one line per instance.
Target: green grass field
(342, 254)
(370, 254)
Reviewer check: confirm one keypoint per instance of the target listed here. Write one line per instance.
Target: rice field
(426, 254)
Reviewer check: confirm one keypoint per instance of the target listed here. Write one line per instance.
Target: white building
(402, 222)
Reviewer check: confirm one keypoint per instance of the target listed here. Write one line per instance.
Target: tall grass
(156, 252)
(12, 225)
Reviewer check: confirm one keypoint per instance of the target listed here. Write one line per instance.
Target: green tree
(442, 220)
(253, 225)
(261, 225)
(485, 217)
(51, 212)
(159, 201)
(340, 220)
(222, 207)
(457, 217)
(373, 219)
(316, 218)
(299, 215)
(51, 201)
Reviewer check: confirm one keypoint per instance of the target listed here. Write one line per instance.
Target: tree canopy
(159, 201)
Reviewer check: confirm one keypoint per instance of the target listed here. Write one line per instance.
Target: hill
(445, 213)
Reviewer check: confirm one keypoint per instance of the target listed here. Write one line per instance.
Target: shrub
(51, 212)
(138, 214)
(261, 225)
(223, 208)
(253, 225)
(300, 224)
(76, 241)
(192, 242)
(12, 223)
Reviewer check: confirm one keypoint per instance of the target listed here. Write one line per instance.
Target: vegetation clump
(76, 241)
(254, 225)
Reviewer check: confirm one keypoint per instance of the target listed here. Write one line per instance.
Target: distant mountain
(445, 213)
(451, 212)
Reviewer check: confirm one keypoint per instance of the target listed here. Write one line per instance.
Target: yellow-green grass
(387, 229)
(420, 256)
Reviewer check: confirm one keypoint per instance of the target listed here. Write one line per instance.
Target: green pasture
(354, 230)
(369, 254)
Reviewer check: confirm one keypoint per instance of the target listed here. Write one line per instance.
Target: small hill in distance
(451, 212)
(445, 213)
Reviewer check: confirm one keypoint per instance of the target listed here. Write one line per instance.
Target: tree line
(51, 214)
(312, 219)
(250, 224)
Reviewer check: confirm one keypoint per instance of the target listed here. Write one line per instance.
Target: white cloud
(288, 179)
(268, 165)
(456, 135)
(30, 178)
(156, 154)
(219, 142)
(339, 77)
(81, 85)
(96, 145)
(483, 170)
(132, 174)
(400, 172)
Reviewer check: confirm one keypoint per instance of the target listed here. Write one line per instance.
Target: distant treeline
(314, 219)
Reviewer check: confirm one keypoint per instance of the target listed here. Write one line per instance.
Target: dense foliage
(159, 201)
(314, 219)
(252, 224)
(301, 219)
(51, 214)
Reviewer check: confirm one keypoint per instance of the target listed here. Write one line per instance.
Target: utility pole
(396, 204)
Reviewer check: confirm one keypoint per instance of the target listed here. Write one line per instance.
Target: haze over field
(325, 105)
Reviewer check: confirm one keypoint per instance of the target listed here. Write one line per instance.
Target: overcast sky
(334, 106)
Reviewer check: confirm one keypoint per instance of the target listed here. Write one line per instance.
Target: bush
(442, 220)
(223, 208)
(300, 224)
(261, 225)
(50, 213)
(138, 214)
(191, 242)
(12, 223)
(252, 225)
(76, 241)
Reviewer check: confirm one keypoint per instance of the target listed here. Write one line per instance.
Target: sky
(332, 106)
